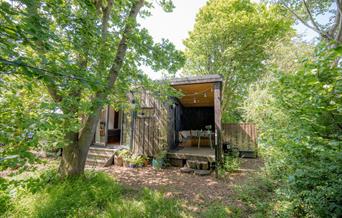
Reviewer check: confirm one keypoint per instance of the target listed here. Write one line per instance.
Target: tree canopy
(81, 54)
(231, 37)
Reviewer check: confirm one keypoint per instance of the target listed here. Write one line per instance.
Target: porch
(196, 122)
(192, 153)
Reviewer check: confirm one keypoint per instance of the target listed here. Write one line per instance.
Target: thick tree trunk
(71, 155)
(75, 152)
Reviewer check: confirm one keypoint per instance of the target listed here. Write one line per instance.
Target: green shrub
(299, 116)
(230, 164)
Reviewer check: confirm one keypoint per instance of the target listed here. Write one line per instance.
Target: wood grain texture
(242, 135)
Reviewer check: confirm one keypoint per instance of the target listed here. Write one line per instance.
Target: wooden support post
(133, 115)
(121, 115)
(218, 127)
(106, 126)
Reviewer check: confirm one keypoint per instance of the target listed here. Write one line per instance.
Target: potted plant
(158, 161)
(136, 161)
(145, 160)
(120, 156)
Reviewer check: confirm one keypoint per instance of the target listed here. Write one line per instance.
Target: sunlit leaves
(60, 53)
(298, 115)
(231, 38)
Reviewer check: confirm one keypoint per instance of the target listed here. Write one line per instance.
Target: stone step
(100, 153)
(101, 149)
(202, 172)
(186, 170)
(95, 162)
(99, 156)
(199, 165)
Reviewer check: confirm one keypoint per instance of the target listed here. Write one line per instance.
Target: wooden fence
(242, 135)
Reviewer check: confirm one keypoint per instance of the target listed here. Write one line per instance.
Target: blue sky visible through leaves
(175, 26)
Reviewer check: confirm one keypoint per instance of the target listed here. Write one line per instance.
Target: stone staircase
(200, 168)
(100, 157)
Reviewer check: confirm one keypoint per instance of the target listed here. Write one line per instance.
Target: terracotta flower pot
(118, 161)
(125, 163)
(145, 163)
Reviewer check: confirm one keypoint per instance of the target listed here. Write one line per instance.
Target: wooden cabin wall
(196, 118)
(150, 129)
(242, 135)
(126, 128)
(178, 120)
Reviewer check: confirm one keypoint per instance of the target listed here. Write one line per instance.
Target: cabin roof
(210, 78)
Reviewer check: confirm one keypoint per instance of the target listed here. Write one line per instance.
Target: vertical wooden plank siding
(106, 125)
(242, 135)
(150, 123)
(218, 127)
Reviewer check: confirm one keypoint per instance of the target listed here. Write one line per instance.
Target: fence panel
(242, 135)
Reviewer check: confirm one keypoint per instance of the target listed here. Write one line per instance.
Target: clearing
(195, 191)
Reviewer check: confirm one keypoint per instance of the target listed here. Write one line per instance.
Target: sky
(175, 26)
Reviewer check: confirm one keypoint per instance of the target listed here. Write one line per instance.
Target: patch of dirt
(195, 191)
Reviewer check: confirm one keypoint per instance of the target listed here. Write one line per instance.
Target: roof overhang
(198, 91)
(211, 78)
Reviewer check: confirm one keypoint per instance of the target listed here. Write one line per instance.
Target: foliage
(137, 160)
(218, 210)
(73, 57)
(310, 12)
(258, 198)
(93, 195)
(231, 38)
(230, 164)
(288, 54)
(123, 153)
(299, 116)
(161, 155)
(27, 121)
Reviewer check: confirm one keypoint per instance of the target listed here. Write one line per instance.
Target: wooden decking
(193, 153)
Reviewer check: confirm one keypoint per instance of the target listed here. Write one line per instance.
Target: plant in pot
(126, 161)
(119, 157)
(136, 161)
(146, 160)
(159, 160)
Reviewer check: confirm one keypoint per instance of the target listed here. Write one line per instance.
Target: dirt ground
(197, 191)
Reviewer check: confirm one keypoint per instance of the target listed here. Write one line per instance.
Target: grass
(97, 194)
(93, 195)
(231, 164)
(261, 196)
(219, 210)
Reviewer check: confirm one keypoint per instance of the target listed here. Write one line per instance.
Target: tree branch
(89, 127)
(122, 47)
(311, 17)
(322, 34)
(338, 21)
(52, 89)
(105, 18)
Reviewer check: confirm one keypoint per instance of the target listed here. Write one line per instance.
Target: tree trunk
(71, 156)
(76, 150)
